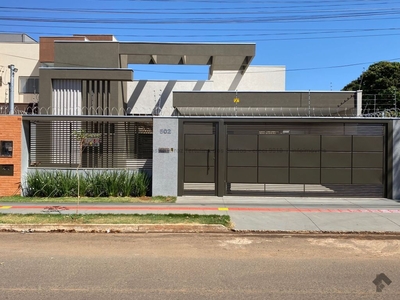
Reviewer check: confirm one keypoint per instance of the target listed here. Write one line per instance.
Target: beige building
(21, 51)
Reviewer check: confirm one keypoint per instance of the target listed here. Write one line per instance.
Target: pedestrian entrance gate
(200, 157)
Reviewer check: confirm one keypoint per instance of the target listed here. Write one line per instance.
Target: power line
(249, 38)
(187, 10)
(223, 17)
(249, 32)
(174, 72)
(210, 21)
(270, 30)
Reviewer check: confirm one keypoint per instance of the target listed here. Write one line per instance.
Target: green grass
(114, 219)
(20, 199)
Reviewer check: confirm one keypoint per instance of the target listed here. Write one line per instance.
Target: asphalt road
(194, 266)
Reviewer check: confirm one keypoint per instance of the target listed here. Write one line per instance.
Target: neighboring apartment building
(21, 51)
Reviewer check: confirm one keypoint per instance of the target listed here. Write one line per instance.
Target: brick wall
(10, 130)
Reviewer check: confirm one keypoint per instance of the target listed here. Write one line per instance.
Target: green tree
(380, 84)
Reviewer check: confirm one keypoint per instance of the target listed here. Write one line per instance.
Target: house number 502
(165, 131)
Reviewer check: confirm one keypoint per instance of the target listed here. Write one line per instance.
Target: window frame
(5, 146)
(24, 87)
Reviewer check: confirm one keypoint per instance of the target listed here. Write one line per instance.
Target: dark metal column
(388, 179)
(181, 158)
(221, 158)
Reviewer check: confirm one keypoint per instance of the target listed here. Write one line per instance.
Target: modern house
(237, 133)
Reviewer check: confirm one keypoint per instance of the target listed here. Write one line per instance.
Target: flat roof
(16, 38)
(219, 56)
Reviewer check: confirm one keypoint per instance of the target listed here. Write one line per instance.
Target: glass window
(28, 85)
(6, 148)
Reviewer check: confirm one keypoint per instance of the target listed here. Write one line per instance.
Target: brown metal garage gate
(284, 159)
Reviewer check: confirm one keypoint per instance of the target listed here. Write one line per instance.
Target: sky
(323, 44)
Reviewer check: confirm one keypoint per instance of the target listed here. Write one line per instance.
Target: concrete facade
(267, 103)
(48, 75)
(165, 157)
(228, 69)
(151, 97)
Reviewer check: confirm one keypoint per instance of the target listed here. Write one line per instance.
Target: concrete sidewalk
(307, 214)
(257, 213)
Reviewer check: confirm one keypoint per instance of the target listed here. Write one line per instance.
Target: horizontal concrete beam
(86, 74)
(188, 49)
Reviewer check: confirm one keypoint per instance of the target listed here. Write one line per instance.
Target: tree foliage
(380, 84)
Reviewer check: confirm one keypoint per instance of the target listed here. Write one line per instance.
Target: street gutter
(115, 228)
(192, 228)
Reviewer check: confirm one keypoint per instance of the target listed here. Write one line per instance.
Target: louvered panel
(67, 97)
(122, 144)
(145, 164)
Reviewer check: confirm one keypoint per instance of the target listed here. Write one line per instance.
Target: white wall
(155, 97)
(25, 57)
(256, 78)
(67, 97)
(148, 97)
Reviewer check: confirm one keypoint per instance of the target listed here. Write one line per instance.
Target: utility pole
(13, 70)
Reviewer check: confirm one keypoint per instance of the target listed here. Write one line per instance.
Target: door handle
(208, 160)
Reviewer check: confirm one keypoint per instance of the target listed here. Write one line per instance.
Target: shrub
(95, 184)
(142, 184)
(67, 184)
(44, 184)
(114, 183)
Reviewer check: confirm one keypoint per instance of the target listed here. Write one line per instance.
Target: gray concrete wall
(396, 160)
(86, 55)
(334, 100)
(165, 157)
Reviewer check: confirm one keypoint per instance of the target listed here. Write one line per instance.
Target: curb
(116, 228)
(190, 228)
(322, 234)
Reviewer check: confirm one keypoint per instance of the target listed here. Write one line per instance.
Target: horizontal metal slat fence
(121, 144)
